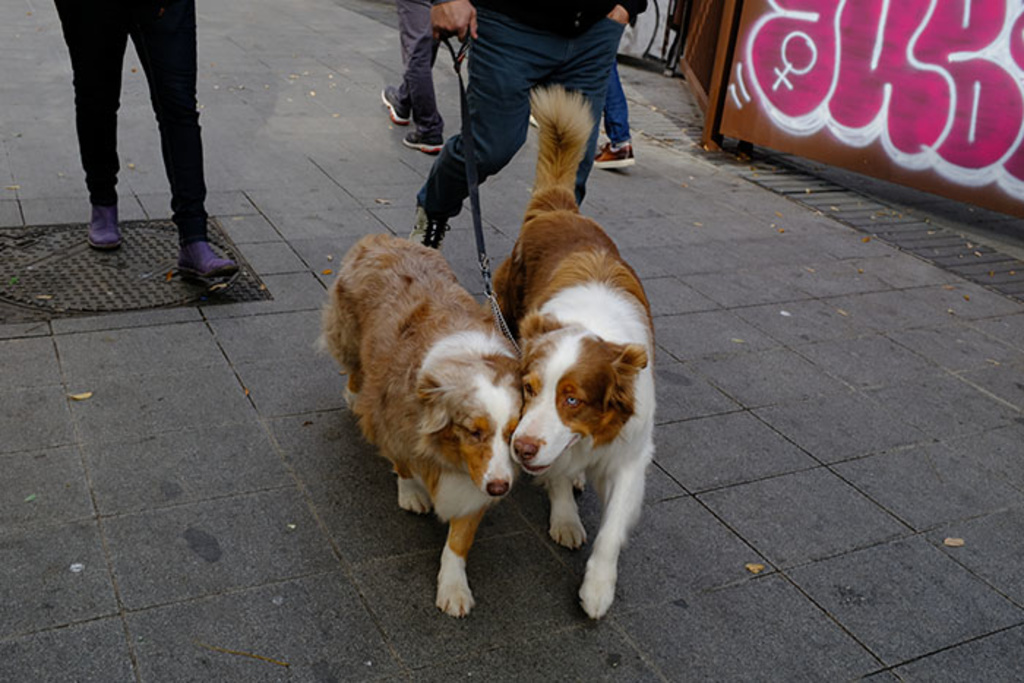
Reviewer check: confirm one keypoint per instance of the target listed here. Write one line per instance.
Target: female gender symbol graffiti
(788, 67)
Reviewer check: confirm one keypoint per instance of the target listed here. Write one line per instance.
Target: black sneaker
(399, 115)
(428, 144)
(429, 232)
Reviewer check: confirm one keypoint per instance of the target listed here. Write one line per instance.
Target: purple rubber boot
(103, 231)
(197, 259)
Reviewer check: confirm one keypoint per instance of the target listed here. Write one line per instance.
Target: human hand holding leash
(456, 17)
(619, 14)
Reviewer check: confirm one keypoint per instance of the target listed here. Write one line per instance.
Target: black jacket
(565, 17)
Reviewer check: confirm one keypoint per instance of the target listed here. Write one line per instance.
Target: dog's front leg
(565, 525)
(623, 498)
(453, 594)
(413, 496)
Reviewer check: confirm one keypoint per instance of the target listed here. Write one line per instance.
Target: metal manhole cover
(50, 271)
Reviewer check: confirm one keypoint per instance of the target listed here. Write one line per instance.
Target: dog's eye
(529, 390)
(572, 402)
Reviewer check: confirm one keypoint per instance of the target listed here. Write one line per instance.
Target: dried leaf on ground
(754, 568)
(83, 396)
(952, 542)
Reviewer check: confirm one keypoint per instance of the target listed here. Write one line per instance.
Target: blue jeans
(616, 111)
(507, 60)
(97, 35)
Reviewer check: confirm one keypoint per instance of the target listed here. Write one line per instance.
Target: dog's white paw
(413, 497)
(597, 593)
(455, 599)
(568, 532)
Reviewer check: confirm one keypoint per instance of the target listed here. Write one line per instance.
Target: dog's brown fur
(585, 326)
(392, 303)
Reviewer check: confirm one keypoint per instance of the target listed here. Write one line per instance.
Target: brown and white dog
(434, 387)
(588, 344)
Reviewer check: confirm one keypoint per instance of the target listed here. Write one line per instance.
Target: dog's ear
(629, 360)
(632, 360)
(431, 393)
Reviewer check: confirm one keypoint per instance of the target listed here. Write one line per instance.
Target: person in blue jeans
(618, 151)
(413, 99)
(518, 44)
(164, 35)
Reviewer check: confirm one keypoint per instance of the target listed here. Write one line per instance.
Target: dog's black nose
(497, 488)
(526, 448)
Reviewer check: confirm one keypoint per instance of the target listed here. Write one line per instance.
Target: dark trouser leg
(507, 60)
(587, 72)
(96, 35)
(419, 51)
(165, 39)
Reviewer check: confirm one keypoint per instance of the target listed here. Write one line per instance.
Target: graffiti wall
(925, 92)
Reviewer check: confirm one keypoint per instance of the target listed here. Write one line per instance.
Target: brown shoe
(609, 157)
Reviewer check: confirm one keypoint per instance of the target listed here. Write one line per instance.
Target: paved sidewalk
(830, 407)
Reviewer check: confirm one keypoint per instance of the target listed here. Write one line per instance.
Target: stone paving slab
(989, 549)
(42, 488)
(992, 658)
(318, 626)
(35, 419)
(772, 515)
(93, 652)
(746, 631)
(846, 426)
(53, 576)
(211, 547)
(930, 603)
(929, 485)
(725, 450)
(181, 467)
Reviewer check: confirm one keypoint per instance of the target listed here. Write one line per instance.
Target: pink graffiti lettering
(939, 84)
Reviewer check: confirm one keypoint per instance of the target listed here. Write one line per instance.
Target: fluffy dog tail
(565, 124)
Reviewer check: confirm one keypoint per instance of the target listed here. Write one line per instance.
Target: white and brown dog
(588, 344)
(435, 387)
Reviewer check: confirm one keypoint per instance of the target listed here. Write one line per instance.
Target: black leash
(473, 184)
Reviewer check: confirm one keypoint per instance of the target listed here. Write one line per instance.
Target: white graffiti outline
(734, 96)
(739, 80)
(742, 88)
(878, 129)
(876, 54)
(972, 133)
